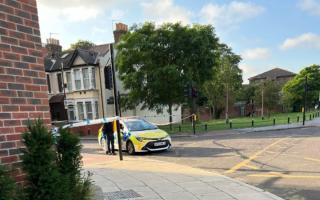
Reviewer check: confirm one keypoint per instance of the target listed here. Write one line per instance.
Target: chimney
(54, 48)
(120, 30)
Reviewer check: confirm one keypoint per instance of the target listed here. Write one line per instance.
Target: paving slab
(150, 179)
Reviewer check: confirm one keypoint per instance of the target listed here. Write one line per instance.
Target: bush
(69, 163)
(7, 185)
(39, 162)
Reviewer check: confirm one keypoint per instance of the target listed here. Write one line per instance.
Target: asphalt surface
(284, 162)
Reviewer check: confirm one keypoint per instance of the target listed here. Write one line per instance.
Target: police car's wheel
(130, 148)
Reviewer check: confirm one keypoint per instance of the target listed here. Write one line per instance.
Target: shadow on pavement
(289, 193)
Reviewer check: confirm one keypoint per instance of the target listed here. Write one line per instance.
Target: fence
(201, 127)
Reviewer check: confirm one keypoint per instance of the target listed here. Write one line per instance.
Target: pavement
(142, 178)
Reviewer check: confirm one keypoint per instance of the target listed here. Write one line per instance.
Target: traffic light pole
(116, 103)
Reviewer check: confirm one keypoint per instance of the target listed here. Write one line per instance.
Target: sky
(266, 33)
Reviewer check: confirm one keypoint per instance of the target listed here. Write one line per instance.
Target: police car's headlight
(140, 139)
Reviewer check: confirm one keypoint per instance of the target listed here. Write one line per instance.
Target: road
(285, 162)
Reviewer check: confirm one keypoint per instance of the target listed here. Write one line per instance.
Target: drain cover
(124, 194)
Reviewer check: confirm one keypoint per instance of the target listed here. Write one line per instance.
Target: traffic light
(108, 78)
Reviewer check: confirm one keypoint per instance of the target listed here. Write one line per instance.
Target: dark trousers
(110, 143)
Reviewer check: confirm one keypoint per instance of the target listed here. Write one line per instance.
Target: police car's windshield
(139, 125)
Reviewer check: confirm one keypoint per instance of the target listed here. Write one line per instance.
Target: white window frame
(70, 81)
(83, 101)
(87, 112)
(87, 79)
(83, 109)
(93, 83)
(96, 110)
(81, 81)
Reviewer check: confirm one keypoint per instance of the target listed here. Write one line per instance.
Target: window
(86, 80)
(69, 81)
(49, 83)
(96, 109)
(71, 113)
(77, 79)
(89, 110)
(93, 78)
(80, 111)
(59, 77)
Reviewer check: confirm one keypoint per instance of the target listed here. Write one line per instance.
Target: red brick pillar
(23, 87)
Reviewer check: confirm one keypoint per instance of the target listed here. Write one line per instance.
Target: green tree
(270, 91)
(156, 63)
(7, 185)
(82, 44)
(293, 91)
(69, 164)
(39, 163)
(225, 81)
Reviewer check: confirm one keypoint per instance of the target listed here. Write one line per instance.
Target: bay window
(80, 110)
(89, 110)
(69, 81)
(86, 79)
(77, 79)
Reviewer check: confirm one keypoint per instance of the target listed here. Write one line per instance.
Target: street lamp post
(116, 102)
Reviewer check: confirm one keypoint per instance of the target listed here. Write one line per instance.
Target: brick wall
(23, 87)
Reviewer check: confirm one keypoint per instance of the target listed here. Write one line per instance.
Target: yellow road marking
(312, 159)
(247, 161)
(251, 166)
(283, 176)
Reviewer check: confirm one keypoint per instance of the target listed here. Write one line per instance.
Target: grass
(240, 122)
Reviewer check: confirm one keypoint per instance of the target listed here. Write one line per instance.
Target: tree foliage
(293, 91)
(155, 63)
(7, 185)
(81, 44)
(53, 172)
(226, 80)
(39, 163)
(271, 95)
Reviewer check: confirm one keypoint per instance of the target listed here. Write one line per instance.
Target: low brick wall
(89, 130)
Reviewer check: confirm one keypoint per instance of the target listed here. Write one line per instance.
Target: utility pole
(116, 102)
(227, 103)
(262, 101)
(305, 99)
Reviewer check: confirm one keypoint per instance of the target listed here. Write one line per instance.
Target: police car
(138, 135)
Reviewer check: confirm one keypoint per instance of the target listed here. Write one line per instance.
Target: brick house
(23, 86)
(278, 75)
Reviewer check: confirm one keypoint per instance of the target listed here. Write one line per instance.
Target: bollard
(179, 128)
(206, 127)
(252, 123)
(298, 118)
(274, 121)
(262, 118)
(288, 120)
(230, 124)
(313, 116)
(310, 117)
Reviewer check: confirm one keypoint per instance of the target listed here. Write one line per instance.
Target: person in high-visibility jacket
(108, 133)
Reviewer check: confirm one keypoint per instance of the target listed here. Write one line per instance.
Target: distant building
(279, 75)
